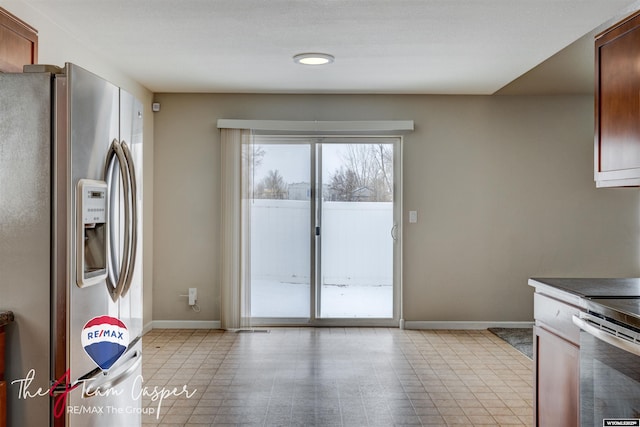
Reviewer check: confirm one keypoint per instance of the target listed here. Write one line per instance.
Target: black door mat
(520, 338)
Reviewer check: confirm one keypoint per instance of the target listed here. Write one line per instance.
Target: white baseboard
(407, 324)
(182, 324)
(147, 328)
(425, 324)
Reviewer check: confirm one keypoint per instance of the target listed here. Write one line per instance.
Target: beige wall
(57, 46)
(503, 186)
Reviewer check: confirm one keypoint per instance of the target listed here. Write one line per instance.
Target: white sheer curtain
(235, 304)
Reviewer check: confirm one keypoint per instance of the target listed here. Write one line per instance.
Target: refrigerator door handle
(115, 285)
(133, 224)
(92, 390)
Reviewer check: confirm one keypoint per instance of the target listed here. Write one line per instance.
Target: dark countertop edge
(6, 317)
(557, 293)
(593, 287)
(621, 306)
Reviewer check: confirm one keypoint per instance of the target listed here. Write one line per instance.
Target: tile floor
(335, 377)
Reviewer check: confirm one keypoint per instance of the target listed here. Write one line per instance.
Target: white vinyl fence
(357, 247)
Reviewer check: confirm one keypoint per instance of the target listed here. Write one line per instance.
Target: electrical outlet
(193, 296)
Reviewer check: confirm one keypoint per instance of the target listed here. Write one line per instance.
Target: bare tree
(384, 158)
(271, 186)
(253, 154)
(343, 185)
(366, 174)
(252, 157)
(360, 161)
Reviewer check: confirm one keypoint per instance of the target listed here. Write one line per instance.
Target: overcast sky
(292, 161)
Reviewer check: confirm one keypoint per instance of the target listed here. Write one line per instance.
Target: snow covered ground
(270, 298)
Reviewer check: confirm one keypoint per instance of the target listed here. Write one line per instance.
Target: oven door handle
(105, 385)
(606, 336)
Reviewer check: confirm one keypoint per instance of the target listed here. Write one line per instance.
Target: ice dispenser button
(91, 230)
(94, 203)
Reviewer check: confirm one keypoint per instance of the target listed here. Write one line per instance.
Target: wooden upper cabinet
(617, 104)
(18, 43)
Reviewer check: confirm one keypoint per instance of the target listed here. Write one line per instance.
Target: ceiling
(380, 46)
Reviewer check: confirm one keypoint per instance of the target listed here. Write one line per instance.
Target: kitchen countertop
(592, 287)
(6, 317)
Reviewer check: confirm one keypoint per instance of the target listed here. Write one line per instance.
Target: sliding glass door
(356, 238)
(323, 235)
(280, 224)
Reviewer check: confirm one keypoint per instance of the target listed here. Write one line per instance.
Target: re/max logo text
(103, 333)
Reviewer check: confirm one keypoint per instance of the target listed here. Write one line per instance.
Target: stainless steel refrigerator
(70, 248)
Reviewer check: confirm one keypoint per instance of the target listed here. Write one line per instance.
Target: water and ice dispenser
(92, 232)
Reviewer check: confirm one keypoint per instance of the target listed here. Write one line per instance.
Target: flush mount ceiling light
(313, 58)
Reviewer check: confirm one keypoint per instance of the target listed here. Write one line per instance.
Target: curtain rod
(363, 127)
